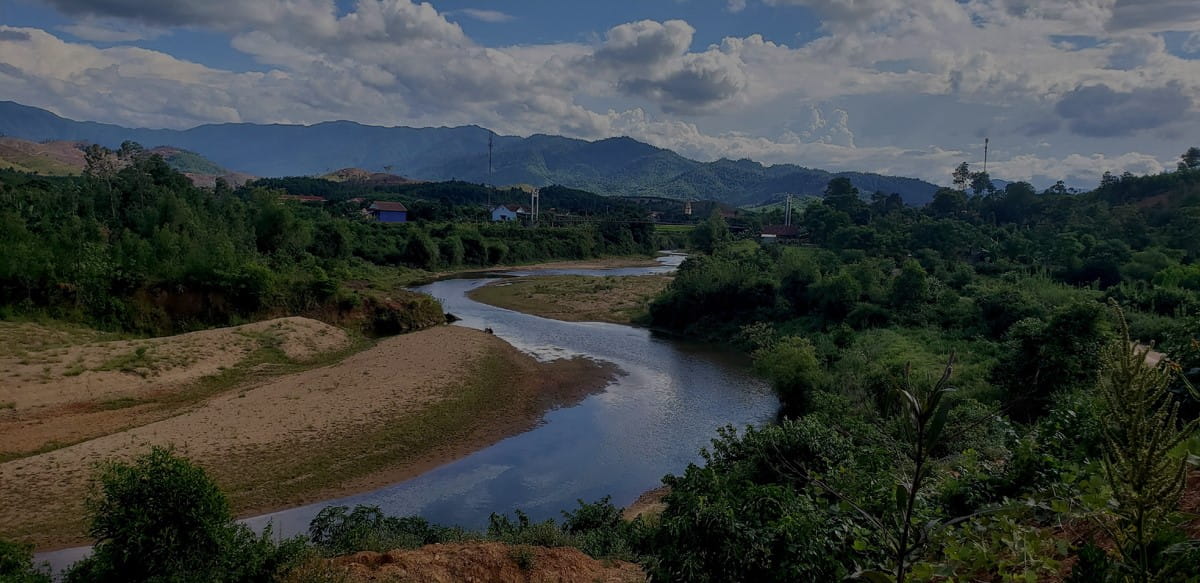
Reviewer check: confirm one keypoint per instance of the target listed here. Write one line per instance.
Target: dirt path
(402, 406)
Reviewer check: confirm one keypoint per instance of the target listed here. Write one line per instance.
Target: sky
(1062, 89)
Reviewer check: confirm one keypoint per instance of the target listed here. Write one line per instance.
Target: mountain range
(611, 166)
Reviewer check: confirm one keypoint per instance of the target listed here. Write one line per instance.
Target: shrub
(16, 564)
(160, 518)
(338, 530)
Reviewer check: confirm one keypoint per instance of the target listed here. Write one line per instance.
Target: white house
(509, 212)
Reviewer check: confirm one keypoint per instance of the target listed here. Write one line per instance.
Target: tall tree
(962, 176)
(1190, 160)
(982, 183)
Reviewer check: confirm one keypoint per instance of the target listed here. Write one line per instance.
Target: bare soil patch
(57, 392)
(491, 562)
(575, 298)
(272, 441)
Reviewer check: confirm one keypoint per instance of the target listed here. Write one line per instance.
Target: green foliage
(139, 248)
(791, 365)
(710, 234)
(338, 530)
(1145, 473)
(746, 515)
(1059, 354)
(161, 519)
(16, 564)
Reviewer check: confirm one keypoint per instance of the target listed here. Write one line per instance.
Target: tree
(961, 176)
(981, 183)
(948, 202)
(841, 195)
(1142, 430)
(161, 519)
(131, 151)
(711, 234)
(1190, 160)
(1108, 180)
(1059, 189)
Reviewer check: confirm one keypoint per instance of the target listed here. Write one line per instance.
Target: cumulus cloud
(1099, 111)
(646, 45)
(651, 59)
(1155, 15)
(217, 13)
(404, 62)
(10, 35)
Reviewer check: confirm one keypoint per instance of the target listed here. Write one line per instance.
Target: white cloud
(482, 15)
(404, 62)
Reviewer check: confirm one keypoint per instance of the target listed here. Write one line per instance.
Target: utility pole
(534, 203)
(787, 212)
(490, 184)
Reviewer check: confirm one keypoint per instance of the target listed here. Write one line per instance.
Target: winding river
(652, 420)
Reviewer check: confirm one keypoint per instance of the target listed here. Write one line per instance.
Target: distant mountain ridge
(611, 166)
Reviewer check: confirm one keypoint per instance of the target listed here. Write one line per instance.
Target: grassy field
(575, 298)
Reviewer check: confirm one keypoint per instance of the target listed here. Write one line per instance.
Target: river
(665, 406)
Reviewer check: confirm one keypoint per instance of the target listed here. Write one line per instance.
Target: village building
(779, 233)
(389, 212)
(509, 212)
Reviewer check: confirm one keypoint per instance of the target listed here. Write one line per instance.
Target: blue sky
(1064, 89)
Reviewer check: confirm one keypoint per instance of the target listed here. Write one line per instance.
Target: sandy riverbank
(575, 298)
(375, 417)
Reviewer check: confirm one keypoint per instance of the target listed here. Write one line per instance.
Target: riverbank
(575, 298)
(373, 417)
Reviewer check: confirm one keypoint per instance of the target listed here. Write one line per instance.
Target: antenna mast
(985, 155)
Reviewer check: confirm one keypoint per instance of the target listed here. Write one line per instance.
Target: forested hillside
(615, 166)
(140, 248)
(968, 390)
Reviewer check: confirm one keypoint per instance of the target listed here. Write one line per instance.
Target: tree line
(133, 245)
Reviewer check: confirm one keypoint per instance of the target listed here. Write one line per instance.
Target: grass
(132, 362)
(267, 360)
(575, 298)
(19, 337)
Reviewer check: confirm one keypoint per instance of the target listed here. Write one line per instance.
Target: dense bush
(161, 519)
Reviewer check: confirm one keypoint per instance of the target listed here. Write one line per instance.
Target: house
(777, 233)
(509, 212)
(388, 212)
